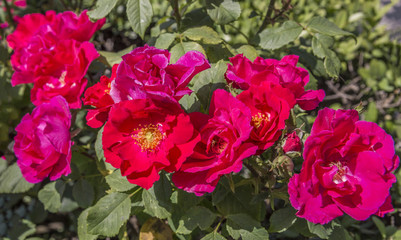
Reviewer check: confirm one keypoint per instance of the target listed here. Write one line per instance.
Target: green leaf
(11, 179)
(380, 225)
(371, 113)
(22, 230)
(248, 51)
(197, 216)
(118, 182)
(282, 219)
(339, 233)
(83, 193)
(204, 34)
(209, 80)
(213, 236)
(83, 226)
(165, 40)
(242, 225)
(324, 26)
(273, 38)
(320, 44)
(109, 214)
(181, 48)
(229, 203)
(111, 58)
(332, 64)
(51, 194)
(322, 231)
(104, 167)
(190, 103)
(223, 12)
(103, 7)
(157, 199)
(139, 14)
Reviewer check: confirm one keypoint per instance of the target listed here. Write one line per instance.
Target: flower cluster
(348, 168)
(52, 52)
(139, 104)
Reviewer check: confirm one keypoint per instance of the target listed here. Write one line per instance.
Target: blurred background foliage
(345, 45)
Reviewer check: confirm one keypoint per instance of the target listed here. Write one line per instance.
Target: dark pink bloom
(292, 143)
(243, 73)
(99, 97)
(51, 51)
(347, 167)
(43, 142)
(4, 25)
(222, 147)
(146, 72)
(144, 136)
(270, 106)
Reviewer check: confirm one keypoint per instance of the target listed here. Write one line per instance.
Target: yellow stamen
(149, 137)
(259, 118)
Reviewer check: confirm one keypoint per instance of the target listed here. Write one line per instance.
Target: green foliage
(273, 38)
(50, 195)
(103, 7)
(139, 14)
(11, 180)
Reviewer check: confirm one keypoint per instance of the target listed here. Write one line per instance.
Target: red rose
(43, 141)
(146, 72)
(243, 73)
(51, 51)
(270, 106)
(99, 97)
(292, 143)
(348, 167)
(222, 147)
(144, 136)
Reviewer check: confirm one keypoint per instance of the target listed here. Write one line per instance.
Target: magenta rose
(43, 142)
(347, 168)
(270, 106)
(292, 143)
(52, 52)
(243, 73)
(222, 147)
(144, 136)
(146, 72)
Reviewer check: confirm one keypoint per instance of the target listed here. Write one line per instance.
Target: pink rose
(222, 147)
(51, 51)
(144, 136)
(270, 106)
(347, 168)
(292, 143)
(243, 73)
(99, 97)
(43, 141)
(146, 72)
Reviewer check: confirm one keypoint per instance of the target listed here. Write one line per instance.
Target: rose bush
(43, 142)
(348, 167)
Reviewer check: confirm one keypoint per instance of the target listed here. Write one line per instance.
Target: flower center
(149, 137)
(339, 177)
(218, 144)
(107, 90)
(260, 118)
(62, 78)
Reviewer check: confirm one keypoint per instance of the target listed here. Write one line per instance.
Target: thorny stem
(9, 15)
(174, 4)
(239, 31)
(136, 191)
(267, 18)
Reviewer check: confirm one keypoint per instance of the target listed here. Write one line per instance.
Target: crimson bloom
(222, 147)
(243, 73)
(52, 52)
(99, 97)
(348, 168)
(292, 143)
(146, 72)
(144, 136)
(270, 106)
(43, 141)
